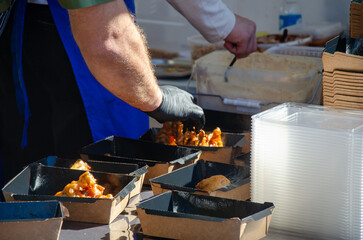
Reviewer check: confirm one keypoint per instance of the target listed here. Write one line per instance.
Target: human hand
(242, 40)
(178, 105)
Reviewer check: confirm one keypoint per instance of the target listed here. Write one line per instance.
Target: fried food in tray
(213, 183)
(86, 187)
(172, 134)
(81, 165)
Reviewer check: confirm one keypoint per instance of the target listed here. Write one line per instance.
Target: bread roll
(213, 183)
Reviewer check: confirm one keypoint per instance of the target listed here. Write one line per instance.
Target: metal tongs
(228, 68)
(283, 39)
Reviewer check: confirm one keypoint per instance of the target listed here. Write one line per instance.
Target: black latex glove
(178, 105)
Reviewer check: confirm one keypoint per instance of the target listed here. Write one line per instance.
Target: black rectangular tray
(186, 178)
(39, 182)
(126, 150)
(194, 206)
(136, 169)
(229, 140)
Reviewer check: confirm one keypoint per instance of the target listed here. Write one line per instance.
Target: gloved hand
(178, 105)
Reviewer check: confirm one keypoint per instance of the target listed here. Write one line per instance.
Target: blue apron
(107, 115)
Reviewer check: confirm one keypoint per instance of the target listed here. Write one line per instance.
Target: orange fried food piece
(216, 138)
(213, 183)
(203, 139)
(191, 138)
(81, 165)
(166, 134)
(86, 186)
(172, 134)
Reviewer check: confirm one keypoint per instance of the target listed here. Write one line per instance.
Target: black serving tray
(38, 182)
(194, 206)
(126, 150)
(136, 169)
(229, 140)
(186, 178)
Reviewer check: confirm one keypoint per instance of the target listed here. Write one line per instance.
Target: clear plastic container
(290, 14)
(263, 77)
(308, 161)
(297, 51)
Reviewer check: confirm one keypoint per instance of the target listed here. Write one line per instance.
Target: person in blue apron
(61, 86)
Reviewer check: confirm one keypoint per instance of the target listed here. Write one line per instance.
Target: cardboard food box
(38, 183)
(334, 57)
(138, 170)
(342, 78)
(160, 158)
(31, 220)
(233, 143)
(182, 215)
(186, 179)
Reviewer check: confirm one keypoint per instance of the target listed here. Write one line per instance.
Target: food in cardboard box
(172, 134)
(86, 186)
(81, 165)
(213, 183)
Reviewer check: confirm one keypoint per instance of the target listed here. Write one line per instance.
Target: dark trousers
(58, 123)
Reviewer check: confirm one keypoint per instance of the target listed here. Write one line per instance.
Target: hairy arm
(115, 51)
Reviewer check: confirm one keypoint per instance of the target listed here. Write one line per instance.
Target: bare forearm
(116, 54)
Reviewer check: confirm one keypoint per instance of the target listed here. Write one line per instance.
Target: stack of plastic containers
(308, 161)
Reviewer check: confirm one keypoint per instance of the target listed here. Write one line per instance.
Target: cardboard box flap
(194, 206)
(29, 211)
(185, 159)
(261, 214)
(188, 177)
(121, 149)
(336, 44)
(39, 182)
(136, 169)
(229, 140)
(139, 172)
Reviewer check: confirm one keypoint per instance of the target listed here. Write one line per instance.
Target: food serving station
(280, 157)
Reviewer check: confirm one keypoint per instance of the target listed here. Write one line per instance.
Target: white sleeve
(212, 18)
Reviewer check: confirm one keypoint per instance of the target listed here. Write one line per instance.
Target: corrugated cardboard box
(38, 183)
(334, 57)
(186, 179)
(160, 158)
(342, 78)
(181, 215)
(31, 220)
